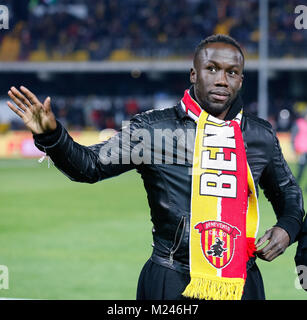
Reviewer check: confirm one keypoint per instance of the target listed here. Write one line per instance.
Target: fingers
(264, 238)
(25, 101)
(269, 252)
(30, 96)
(278, 242)
(47, 104)
(16, 110)
(266, 252)
(20, 100)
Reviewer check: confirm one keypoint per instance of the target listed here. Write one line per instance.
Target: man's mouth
(219, 95)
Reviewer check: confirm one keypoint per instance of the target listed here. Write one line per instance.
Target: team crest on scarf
(218, 242)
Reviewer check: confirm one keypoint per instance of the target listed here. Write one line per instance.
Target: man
(208, 195)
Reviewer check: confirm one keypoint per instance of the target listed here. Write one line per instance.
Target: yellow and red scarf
(224, 207)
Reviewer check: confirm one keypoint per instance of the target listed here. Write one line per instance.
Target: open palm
(38, 117)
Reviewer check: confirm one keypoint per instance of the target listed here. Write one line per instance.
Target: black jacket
(168, 186)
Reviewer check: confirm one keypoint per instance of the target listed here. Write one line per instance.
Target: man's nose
(221, 79)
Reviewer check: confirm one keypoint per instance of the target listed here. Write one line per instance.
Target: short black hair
(217, 38)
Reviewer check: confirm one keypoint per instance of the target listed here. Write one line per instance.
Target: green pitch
(66, 240)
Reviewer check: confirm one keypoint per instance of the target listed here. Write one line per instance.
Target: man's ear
(193, 75)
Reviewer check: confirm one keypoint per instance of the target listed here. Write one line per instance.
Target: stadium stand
(132, 29)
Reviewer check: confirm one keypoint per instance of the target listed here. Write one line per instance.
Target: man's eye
(233, 72)
(211, 68)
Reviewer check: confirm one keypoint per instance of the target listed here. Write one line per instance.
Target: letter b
(224, 185)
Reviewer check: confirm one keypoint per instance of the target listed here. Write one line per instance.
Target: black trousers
(157, 282)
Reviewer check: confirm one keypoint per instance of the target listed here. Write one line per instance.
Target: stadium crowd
(122, 30)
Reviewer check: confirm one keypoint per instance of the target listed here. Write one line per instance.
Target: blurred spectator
(131, 107)
(284, 120)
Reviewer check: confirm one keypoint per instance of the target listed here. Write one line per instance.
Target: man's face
(217, 77)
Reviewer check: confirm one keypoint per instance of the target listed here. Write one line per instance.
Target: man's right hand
(38, 117)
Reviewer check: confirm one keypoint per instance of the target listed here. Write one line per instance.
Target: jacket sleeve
(93, 163)
(281, 189)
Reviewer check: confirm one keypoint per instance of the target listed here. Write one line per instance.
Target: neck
(220, 116)
(229, 113)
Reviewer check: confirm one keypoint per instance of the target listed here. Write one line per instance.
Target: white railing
(143, 66)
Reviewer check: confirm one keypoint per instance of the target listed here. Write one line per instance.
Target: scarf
(224, 207)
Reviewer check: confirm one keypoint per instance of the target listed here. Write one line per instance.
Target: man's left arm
(281, 189)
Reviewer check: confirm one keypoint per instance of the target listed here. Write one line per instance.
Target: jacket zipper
(173, 251)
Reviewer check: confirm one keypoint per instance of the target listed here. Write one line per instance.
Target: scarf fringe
(215, 289)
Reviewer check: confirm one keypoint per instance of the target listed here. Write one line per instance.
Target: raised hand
(38, 117)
